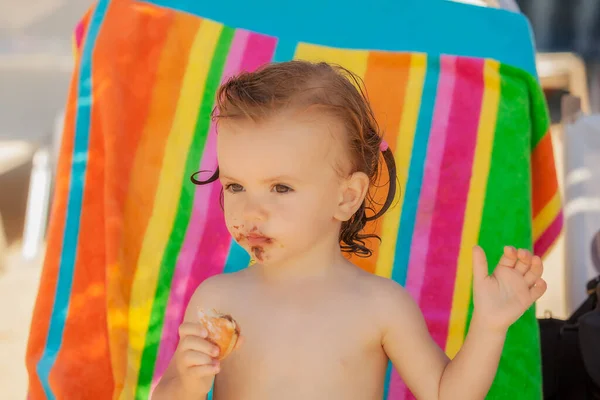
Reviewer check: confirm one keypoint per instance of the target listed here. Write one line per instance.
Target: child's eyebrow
(280, 178)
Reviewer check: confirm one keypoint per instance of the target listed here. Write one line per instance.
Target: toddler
(300, 155)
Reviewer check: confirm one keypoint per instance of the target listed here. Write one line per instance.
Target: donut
(223, 330)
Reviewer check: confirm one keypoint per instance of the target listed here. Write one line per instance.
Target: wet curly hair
(336, 90)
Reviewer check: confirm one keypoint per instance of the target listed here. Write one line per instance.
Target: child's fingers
(509, 257)
(535, 272)
(538, 289)
(198, 344)
(537, 268)
(524, 261)
(480, 266)
(192, 329)
(530, 278)
(202, 371)
(193, 358)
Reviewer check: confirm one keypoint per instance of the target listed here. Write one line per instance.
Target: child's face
(282, 182)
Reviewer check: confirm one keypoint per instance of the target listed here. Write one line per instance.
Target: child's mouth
(255, 239)
(258, 242)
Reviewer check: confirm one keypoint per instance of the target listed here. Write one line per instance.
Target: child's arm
(191, 371)
(499, 300)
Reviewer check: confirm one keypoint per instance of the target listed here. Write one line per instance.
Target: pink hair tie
(383, 146)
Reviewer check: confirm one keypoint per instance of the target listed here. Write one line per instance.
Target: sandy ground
(18, 287)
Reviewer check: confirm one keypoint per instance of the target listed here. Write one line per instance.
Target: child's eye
(282, 189)
(234, 188)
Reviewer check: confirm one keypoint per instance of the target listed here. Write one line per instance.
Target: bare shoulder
(387, 298)
(216, 291)
(386, 293)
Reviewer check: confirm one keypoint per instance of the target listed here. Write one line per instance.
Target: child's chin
(263, 255)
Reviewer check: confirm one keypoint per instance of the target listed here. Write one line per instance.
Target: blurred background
(35, 70)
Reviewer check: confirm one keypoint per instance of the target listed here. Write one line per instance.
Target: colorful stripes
(66, 269)
(387, 78)
(414, 182)
(138, 140)
(167, 198)
(474, 206)
(547, 208)
(131, 238)
(199, 137)
(453, 190)
(431, 179)
(247, 52)
(402, 153)
(176, 306)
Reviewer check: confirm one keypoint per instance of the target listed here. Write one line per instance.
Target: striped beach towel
(130, 237)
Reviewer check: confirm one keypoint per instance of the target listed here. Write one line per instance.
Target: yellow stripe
(474, 208)
(167, 197)
(354, 60)
(402, 154)
(548, 214)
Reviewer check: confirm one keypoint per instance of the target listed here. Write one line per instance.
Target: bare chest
(331, 345)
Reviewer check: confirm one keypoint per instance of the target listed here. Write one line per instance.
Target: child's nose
(254, 210)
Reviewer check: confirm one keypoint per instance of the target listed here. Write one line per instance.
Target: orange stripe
(89, 360)
(138, 197)
(386, 80)
(45, 296)
(544, 182)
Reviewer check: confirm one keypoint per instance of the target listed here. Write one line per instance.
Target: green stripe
(184, 211)
(537, 105)
(507, 220)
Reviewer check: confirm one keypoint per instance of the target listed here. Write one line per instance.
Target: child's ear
(353, 192)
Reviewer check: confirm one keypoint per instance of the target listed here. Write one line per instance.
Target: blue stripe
(415, 172)
(388, 376)
(237, 259)
(434, 27)
(285, 50)
(74, 204)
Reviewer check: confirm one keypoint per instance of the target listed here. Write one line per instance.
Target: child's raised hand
(501, 298)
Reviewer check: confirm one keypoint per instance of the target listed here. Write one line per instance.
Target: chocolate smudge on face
(258, 252)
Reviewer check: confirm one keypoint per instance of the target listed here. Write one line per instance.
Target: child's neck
(320, 262)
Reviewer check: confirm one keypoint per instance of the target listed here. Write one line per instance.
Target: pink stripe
(198, 222)
(429, 190)
(453, 189)
(79, 32)
(542, 245)
(260, 51)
